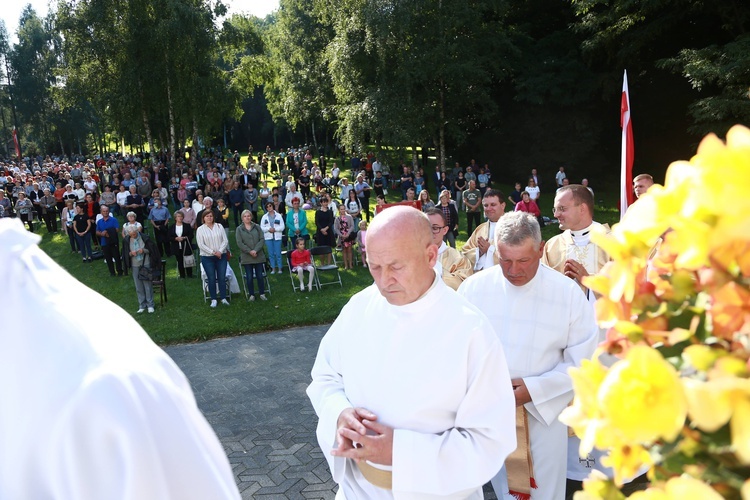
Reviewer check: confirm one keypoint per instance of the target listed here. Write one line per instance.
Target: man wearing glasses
(451, 266)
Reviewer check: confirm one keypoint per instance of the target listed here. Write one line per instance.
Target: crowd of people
(495, 379)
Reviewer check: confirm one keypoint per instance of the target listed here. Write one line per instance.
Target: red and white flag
(626, 168)
(15, 142)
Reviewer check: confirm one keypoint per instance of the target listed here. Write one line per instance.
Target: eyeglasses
(561, 210)
(436, 229)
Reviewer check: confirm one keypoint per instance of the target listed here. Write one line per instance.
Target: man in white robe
(450, 265)
(480, 248)
(90, 407)
(410, 384)
(546, 327)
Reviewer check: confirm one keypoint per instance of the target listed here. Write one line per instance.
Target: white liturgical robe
(546, 327)
(90, 407)
(433, 370)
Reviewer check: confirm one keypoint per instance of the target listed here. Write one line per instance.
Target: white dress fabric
(90, 407)
(442, 385)
(546, 327)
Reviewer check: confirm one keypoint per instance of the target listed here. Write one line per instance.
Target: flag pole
(626, 164)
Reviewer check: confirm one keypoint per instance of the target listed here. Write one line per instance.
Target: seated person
(301, 262)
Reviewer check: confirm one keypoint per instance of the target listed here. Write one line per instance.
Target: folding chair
(320, 268)
(244, 281)
(293, 275)
(159, 283)
(206, 293)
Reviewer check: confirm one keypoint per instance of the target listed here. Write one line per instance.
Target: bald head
(409, 222)
(401, 254)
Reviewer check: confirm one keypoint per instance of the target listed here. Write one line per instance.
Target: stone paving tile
(252, 391)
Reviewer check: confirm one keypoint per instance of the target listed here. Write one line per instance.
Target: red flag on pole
(626, 168)
(15, 142)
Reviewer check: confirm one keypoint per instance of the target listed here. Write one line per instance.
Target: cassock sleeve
(133, 436)
(552, 391)
(455, 461)
(327, 395)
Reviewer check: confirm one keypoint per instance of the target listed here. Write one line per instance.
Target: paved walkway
(252, 391)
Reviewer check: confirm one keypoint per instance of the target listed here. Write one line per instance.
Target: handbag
(188, 260)
(144, 273)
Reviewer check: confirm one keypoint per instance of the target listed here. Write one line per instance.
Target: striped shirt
(212, 240)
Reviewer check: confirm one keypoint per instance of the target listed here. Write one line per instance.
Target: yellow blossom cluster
(675, 300)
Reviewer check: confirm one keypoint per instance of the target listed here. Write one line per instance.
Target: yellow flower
(583, 415)
(740, 428)
(626, 460)
(642, 397)
(679, 488)
(598, 487)
(709, 408)
(745, 491)
(730, 310)
(702, 357)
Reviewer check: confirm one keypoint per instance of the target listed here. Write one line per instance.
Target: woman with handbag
(140, 256)
(214, 251)
(180, 238)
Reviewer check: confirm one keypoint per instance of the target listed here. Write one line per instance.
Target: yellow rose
(679, 488)
(626, 460)
(642, 397)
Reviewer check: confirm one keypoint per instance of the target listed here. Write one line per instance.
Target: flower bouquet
(675, 301)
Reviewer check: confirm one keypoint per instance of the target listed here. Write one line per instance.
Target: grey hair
(129, 214)
(514, 228)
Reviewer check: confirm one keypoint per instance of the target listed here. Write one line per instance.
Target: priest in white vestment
(410, 384)
(452, 267)
(90, 407)
(546, 327)
(480, 248)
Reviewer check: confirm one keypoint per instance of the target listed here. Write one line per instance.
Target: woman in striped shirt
(213, 245)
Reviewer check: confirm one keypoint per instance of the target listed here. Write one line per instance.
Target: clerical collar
(442, 248)
(582, 236)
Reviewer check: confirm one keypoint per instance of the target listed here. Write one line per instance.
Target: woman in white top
(272, 224)
(132, 222)
(197, 204)
(213, 244)
(533, 190)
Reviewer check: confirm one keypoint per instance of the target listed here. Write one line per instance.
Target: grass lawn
(186, 318)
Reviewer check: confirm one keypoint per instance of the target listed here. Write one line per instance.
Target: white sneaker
(302, 288)
(213, 303)
(150, 309)
(309, 288)
(263, 297)
(139, 311)
(273, 271)
(225, 302)
(252, 298)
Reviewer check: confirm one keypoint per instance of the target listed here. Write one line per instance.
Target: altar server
(546, 327)
(410, 383)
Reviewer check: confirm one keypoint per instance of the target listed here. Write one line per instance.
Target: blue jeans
(274, 253)
(259, 270)
(84, 244)
(216, 269)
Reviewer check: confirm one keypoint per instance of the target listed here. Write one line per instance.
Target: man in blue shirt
(107, 229)
(159, 217)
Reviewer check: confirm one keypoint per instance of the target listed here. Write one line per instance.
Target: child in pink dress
(361, 240)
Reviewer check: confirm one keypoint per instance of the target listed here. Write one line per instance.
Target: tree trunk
(414, 157)
(315, 139)
(144, 116)
(441, 139)
(62, 146)
(171, 118)
(194, 151)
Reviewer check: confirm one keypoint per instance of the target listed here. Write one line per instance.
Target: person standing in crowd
(25, 210)
(214, 245)
(546, 327)
(48, 207)
(272, 225)
(82, 227)
(380, 441)
(480, 248)
(362, 188)
(180, 238)
(251, 242)
(160, 217)
(107, 230)
(141, 255)
(472, 201)
(451, 216)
